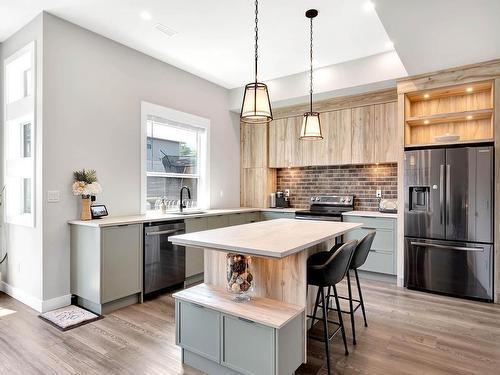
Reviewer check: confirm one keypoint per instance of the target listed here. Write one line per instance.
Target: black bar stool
(327, 269)
(358, 259)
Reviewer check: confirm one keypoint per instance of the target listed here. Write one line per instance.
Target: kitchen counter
(371, 214)
(155, 216)
(275, 239)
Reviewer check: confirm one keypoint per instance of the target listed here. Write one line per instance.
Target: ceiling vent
(165, 30)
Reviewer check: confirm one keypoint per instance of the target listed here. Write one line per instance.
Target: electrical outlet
(287, 192)
(379, 193)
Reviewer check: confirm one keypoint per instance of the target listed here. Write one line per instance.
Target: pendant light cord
(256, 36)
(311, 71)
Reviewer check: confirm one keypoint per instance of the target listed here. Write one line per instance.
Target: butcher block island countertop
(274, 238)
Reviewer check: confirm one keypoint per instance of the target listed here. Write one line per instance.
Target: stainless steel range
(327, 207)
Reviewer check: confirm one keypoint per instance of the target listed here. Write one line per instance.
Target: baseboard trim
(21, 296)
(56, 303)
(35, 303)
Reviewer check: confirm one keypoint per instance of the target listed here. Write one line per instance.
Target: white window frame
(193, 121)
(24, 108)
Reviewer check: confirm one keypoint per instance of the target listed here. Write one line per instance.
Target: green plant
(88, 176)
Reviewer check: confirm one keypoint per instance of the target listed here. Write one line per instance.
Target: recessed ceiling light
(469, 89)
(389, 45)
(368, 6)
(426, 96)
(469, 117)
(426, 122)
(146, 16)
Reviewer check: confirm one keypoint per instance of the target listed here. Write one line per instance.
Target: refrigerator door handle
(441, 193)
(448, 193)
(462, 248)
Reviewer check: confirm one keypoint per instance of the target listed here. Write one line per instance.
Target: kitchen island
(279, 250)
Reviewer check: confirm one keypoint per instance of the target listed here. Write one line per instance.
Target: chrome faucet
(181, 204)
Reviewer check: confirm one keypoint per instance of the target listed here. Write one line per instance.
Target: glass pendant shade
(311, 126)
(256, 106)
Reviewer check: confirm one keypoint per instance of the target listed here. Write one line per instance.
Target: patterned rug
(69, 317)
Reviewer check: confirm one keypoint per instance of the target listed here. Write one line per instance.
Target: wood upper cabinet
(253, 140)
(386, 132)
(351, 136)
(363, 135)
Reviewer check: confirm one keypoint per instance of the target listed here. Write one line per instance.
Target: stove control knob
(348, 200)
(318, 199)
(313, 199)
(342, 200)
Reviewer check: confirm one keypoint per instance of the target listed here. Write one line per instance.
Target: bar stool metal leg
(360, 297)
(339, 311)
(325, 328)
(316, 307)
(351, 309)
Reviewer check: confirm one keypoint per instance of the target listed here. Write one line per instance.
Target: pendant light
(256, 107)
(311, 127)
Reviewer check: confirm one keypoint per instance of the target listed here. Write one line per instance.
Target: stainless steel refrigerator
(449, 221)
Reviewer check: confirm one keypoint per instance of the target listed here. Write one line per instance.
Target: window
(19, 135)
(176, 155)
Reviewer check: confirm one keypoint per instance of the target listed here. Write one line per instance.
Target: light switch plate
(379, 193)
(53, 196)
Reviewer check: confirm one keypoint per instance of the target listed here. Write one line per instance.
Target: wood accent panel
(386, 132)
(496, 133)
(363, 135)
(333, 104)
(445, 105)
(254, 150)
(256, 185)
(483, 71)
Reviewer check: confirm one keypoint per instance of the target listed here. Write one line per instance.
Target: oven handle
(446, 246)
(315, 218)
(163, 232)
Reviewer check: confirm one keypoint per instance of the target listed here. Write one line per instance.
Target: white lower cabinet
(219, 343)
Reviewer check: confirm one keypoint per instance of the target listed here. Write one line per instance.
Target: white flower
(82, 188)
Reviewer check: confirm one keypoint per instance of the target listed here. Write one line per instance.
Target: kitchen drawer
(384, 239)
(198, 330)
(247, 347)
(371, 222)
(253, 217)
(379, 262)
(271, 215)
(219, 221)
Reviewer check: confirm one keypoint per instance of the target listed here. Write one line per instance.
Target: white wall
(367, 74)
(22, 272)
(93, 88)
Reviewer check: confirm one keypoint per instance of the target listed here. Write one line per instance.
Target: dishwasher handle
(164, 232)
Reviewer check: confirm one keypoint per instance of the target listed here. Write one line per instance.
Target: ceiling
(214, 39)
(430, 35)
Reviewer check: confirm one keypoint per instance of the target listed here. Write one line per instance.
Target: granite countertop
(154, 216)
(275, 238)
(371, 214)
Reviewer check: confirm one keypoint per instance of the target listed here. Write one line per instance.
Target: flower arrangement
(85, 183)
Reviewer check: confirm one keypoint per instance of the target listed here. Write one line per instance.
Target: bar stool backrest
(336, 266)
(362, 250)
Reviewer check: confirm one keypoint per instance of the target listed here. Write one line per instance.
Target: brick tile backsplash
(362, 181)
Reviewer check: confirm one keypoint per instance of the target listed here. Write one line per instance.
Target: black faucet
(181, 204)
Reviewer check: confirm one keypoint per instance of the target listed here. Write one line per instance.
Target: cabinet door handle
(462, 248)
(369, 228)
(198, 306)
(163, 232)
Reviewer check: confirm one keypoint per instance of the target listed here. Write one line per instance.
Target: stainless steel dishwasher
(164, 262)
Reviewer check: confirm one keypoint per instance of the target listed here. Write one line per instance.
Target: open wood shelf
(441, 118)
(464, 110)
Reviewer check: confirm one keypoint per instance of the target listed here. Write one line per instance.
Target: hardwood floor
(408, 333)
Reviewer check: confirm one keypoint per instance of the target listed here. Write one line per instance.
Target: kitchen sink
(188, 212)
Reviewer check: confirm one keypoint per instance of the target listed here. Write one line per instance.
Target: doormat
(69, 317)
